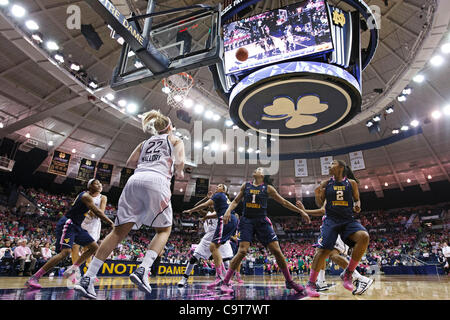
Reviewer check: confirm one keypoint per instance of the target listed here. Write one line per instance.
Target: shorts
(234, 247)
(93, 226)
(261, 227)
(223, 232)
(330, 230)
(68, 233)
(145, 200)
(340, 246)
(202, 249)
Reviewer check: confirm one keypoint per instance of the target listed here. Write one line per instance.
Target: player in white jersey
(202, 250)
(92, 225)
(144, 200)
(338, 256)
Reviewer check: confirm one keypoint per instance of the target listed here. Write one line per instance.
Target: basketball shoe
(182, 282)
(140, 278)
(86, 287)
(362, 284)
(346, 276)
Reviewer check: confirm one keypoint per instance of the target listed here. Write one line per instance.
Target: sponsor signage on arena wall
(60, 163)
(125, 268)
(104, 172)
(86, 170)
(125, 174)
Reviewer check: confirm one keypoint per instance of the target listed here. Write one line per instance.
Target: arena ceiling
(38, 98)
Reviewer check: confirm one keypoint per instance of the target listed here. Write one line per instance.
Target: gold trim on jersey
(253, 205)
(340, 203)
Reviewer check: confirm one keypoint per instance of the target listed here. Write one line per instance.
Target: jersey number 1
(254, 198)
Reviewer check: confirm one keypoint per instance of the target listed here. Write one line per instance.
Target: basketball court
(255, 288)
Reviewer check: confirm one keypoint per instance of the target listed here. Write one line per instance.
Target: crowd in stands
(27, 237)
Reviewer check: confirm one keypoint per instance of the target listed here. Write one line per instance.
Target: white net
(177, 88)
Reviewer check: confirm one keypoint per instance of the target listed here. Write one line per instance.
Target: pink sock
(39, 274)
(218, 270)
(286, 273)
(352, 265)
(313, 276)
(228, 276)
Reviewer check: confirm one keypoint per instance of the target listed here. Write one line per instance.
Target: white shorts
(341, 246)
(145, 200)
(93, 226)
(202, 249)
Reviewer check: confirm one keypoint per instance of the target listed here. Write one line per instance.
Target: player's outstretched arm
(209, 216)
(233, 204)
(133, 160)
(89, 202)
(320, 194)
(180, 160)
(208, 196)
(276, 196)
(313, 212)
(200, 207)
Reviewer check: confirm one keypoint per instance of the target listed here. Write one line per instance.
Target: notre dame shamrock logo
(62, 155)
(105, 166)
(304, 114)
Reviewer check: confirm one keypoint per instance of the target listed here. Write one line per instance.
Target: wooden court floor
(405, 287)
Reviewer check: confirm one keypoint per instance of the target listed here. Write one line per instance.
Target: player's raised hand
(300, 205)
(356, 209)
(210, 194)
(226, 217)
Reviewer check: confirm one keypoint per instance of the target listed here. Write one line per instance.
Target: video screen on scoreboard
(293, 31)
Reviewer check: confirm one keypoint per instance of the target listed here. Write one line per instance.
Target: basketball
(242, 54)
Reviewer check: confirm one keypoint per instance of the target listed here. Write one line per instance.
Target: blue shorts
(330, 230)
(68, 233)
(261, 227)
(234, 247)
(224, 232)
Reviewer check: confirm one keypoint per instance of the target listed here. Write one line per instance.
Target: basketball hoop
(177, 87)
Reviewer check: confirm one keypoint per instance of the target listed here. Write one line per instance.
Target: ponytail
(154, 122)
(349, 173)
(268, 180)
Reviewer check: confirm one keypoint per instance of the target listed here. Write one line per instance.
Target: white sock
(321, 276)
(95, 265)
(188, 271)
(149, 258)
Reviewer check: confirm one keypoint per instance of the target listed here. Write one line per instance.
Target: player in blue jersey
(339, 256)
(254, 221)
(342, 199)
(69, 231)
(224, 230)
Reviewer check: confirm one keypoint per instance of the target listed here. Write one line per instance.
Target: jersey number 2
(340, 195)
